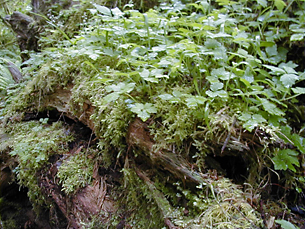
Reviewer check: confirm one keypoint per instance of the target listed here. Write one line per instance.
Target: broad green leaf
(144, 73)
(271, 107)
(103, 10)
(159, 48)
(299, 142)
(258, 118)
(279, 4)
(251, 121)
(112, 97)
(212, 79)
(195, 100)
(298, 90)
(150, 108)
(222, 74)
(288, 69)
(220, 93)
(286, 159)
(285, 224)
(216, 86)
(245, 116)
(263, 3)
(275, 70)
(165, 96)
(143, 110)
(272, 51)
(117, 12)
(120, 87)
(288, 79)
(297, 37)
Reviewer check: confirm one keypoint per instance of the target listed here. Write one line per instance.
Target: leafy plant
(285, 224)
(208, 74)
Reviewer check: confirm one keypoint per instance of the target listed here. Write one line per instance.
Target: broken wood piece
(139, 137)
(160, 199)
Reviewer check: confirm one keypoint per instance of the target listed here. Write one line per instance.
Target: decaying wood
(15, 72)
(160, 199)
(139, 137)
(26, 31)
(93, 199)
(79, 208)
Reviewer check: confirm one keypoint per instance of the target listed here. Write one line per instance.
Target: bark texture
(26, 33)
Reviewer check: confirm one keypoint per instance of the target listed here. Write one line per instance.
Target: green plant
(208, 77)
(75, 172)
(33, 143)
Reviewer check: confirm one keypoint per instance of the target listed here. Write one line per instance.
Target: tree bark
(26, 33)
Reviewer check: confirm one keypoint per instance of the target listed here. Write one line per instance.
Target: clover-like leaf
(143, 110)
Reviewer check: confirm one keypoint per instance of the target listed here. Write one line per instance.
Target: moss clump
(141, 209)
(75, 172)
(219, 204)
(33, 143)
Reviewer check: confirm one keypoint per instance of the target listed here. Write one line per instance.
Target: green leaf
(275, 70)
(103, 10)
(251, 121)
(297, 37)
(298, 90)
(245, 116)
(222, 74)
(145, 75)
(271, 107)
(195, 100)
(285, 224)
(286, 159)
(288, 79)
(165, 96)
(111, 97)
(220, 93)
(216, 86)
(143, 110)
(279, 4)
(263, 3)
(299, 142)
(272, 51)
(120, 87)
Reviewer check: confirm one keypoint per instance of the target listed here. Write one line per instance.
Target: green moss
(32, 143)
(141, 209)
(76, 172)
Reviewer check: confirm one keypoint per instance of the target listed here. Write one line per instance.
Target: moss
(32, 143)
(141, 210)
(219, 204)
(76, 171)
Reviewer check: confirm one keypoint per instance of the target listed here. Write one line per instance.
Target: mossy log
(26, 32)
(85, 204)
(88, 201)
(137, 136)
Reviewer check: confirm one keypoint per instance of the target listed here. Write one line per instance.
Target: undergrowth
(215, 76)
(33, 143)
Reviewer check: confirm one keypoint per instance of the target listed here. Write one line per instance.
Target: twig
(229, 136)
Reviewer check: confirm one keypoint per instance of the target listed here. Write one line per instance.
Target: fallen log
(138, 136)
(79, 209)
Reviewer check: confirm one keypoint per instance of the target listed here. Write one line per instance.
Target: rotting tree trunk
(137, 136)
(26, 33)
(82, 206)
(93, 198)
